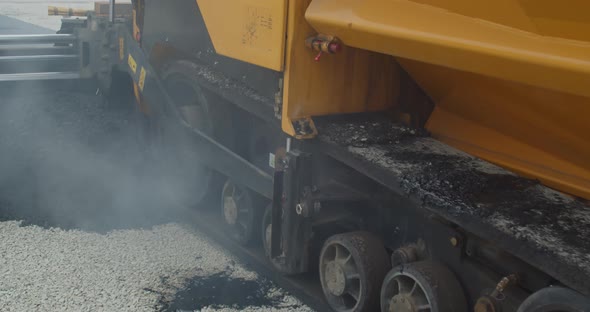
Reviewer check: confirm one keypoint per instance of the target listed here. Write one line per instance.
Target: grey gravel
(123, 270)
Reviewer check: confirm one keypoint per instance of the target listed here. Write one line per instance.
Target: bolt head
(299, 209)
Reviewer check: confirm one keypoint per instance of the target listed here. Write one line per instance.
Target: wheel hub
(402, 303)
(335, 278)
(230, 210)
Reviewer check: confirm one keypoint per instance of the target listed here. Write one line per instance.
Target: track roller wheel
(239, 209)
(422, 286)
(555, 299)
(352, 266)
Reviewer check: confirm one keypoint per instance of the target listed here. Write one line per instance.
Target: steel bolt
(299, 209)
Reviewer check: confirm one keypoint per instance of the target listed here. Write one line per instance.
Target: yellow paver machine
(419, 155)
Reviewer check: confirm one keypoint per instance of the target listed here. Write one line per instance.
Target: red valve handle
(317, 58)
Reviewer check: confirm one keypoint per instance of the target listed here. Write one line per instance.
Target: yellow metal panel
(521, 156)
(351, 81)
(508, 45)
(537, 132)
(544, 17)
(252, 31)
(121, 48)
(509, 78)
(142, 75)
(132, 64)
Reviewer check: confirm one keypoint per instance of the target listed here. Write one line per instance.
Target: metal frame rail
(210, 152)
(38, 57)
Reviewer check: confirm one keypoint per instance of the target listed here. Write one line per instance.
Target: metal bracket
(304, 128)
(291, 232)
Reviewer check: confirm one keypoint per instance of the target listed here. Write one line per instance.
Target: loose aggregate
(123, 270)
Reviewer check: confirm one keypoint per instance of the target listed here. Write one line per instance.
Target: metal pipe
(32, 39)
(20, 58)
(23, 50)
(61, 11)
(39, 76)
(36, 49)
(112, 11)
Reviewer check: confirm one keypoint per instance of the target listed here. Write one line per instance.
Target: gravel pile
(124, 270)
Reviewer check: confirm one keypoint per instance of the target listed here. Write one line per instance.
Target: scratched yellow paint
(248, 30)
(132, 63)
(142, 75)
(121, 48)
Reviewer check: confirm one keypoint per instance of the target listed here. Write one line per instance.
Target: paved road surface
(12, 26)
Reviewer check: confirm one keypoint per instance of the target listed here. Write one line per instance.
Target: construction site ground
(86, 224)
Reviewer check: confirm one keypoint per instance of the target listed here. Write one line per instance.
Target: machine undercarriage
(391, 217)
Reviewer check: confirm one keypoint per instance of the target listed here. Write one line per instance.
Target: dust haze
(74, 160)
